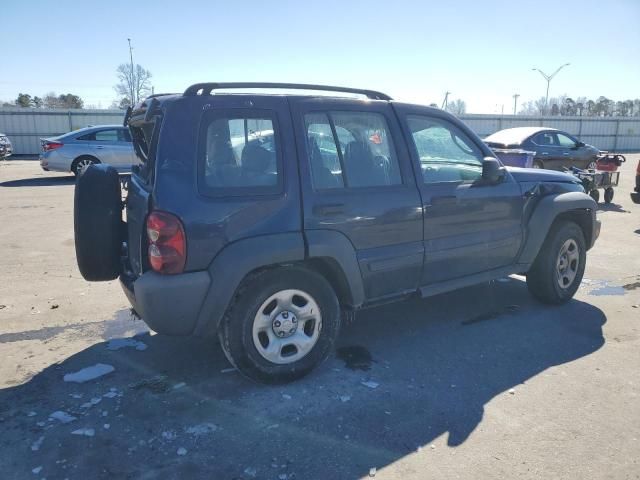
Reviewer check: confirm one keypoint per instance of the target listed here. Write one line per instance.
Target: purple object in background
(515, 157)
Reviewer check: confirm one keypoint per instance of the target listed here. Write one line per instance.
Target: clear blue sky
(480, 50)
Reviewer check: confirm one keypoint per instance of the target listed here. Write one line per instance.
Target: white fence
(26, 126)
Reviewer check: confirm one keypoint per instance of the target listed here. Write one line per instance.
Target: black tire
(608, 195)
(542, 278)
(81, 161)
(236, 328)
(538, 164)
(595, 194)
(97, 218)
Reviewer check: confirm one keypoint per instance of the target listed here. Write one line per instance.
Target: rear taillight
(48, 146)
(167, 243)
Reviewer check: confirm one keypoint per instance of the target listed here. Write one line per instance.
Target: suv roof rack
(207, 88)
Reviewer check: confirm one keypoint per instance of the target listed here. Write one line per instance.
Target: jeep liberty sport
(264, 218)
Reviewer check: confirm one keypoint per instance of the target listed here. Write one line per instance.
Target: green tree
(23, 100)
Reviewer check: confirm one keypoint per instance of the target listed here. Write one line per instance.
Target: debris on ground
(54, 306)
(111, 394)
(286, 397)
(31, 414)
(512, 391)
(227, 370)
(155, 384)
(89, 373)
(372, 472)
(91, 403)
(345, 398)
(252, 472)
(181, 451)
(62, 417)
(106, 426)
(118, 343)
(202, 429)
(37, 470)
(35, 446)
(370, 384)
(169, 435)
(87, 432)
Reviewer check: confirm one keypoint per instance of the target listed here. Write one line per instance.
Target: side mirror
(492, 171)
(579, 144)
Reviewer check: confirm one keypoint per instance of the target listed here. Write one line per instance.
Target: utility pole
(548, 78)
(515, 102)
(444, 102)
(133, 75)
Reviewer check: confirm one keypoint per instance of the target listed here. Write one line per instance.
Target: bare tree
(132, 84)
(457, 107)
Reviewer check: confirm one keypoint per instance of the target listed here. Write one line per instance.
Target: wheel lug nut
(285, 314)
(277, 323)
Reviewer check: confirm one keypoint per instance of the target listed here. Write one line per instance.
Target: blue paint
(608, 290)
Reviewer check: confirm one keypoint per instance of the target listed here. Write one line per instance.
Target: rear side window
(350, 149)
(239, 154)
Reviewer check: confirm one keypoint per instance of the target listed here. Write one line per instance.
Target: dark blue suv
(265, 218)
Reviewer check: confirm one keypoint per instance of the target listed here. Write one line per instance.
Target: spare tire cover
(98, 225)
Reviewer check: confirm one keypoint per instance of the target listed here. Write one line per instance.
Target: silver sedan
(75, 151)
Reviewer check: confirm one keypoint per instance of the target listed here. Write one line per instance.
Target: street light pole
(133, 100)
(548, 78)
(515, 102)
(445, 101)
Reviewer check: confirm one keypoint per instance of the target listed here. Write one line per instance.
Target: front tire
(282, 324)
(557, 271)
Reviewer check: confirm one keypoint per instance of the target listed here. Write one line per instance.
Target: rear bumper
(169, 304)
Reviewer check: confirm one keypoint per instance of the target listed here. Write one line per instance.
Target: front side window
(239, 153)
(565, 141)
(350, 149)
(446, 153)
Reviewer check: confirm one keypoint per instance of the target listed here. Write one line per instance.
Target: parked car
(635, 195)
(345, 204)
(75, 151)
(554, 149)
(6, 149)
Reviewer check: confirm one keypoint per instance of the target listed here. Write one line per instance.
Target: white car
(75, 151)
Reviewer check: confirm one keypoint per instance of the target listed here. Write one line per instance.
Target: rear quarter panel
(211, 223)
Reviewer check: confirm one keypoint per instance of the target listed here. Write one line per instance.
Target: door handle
(545, 153)
(99, 147)
(329, 209)
(566, 154)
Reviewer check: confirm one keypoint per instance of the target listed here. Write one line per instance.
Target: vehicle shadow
(426, 368)
(611, 207)
(40, 182)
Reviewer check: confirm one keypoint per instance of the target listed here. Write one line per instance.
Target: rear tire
(557, 271)
(595, 194)
(250, 330)
(608, 195)
(97, 218)
(80, 164)
(538, 164)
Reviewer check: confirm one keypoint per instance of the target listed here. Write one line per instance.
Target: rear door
(357, 180)
(110, 146)
(469, 226)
